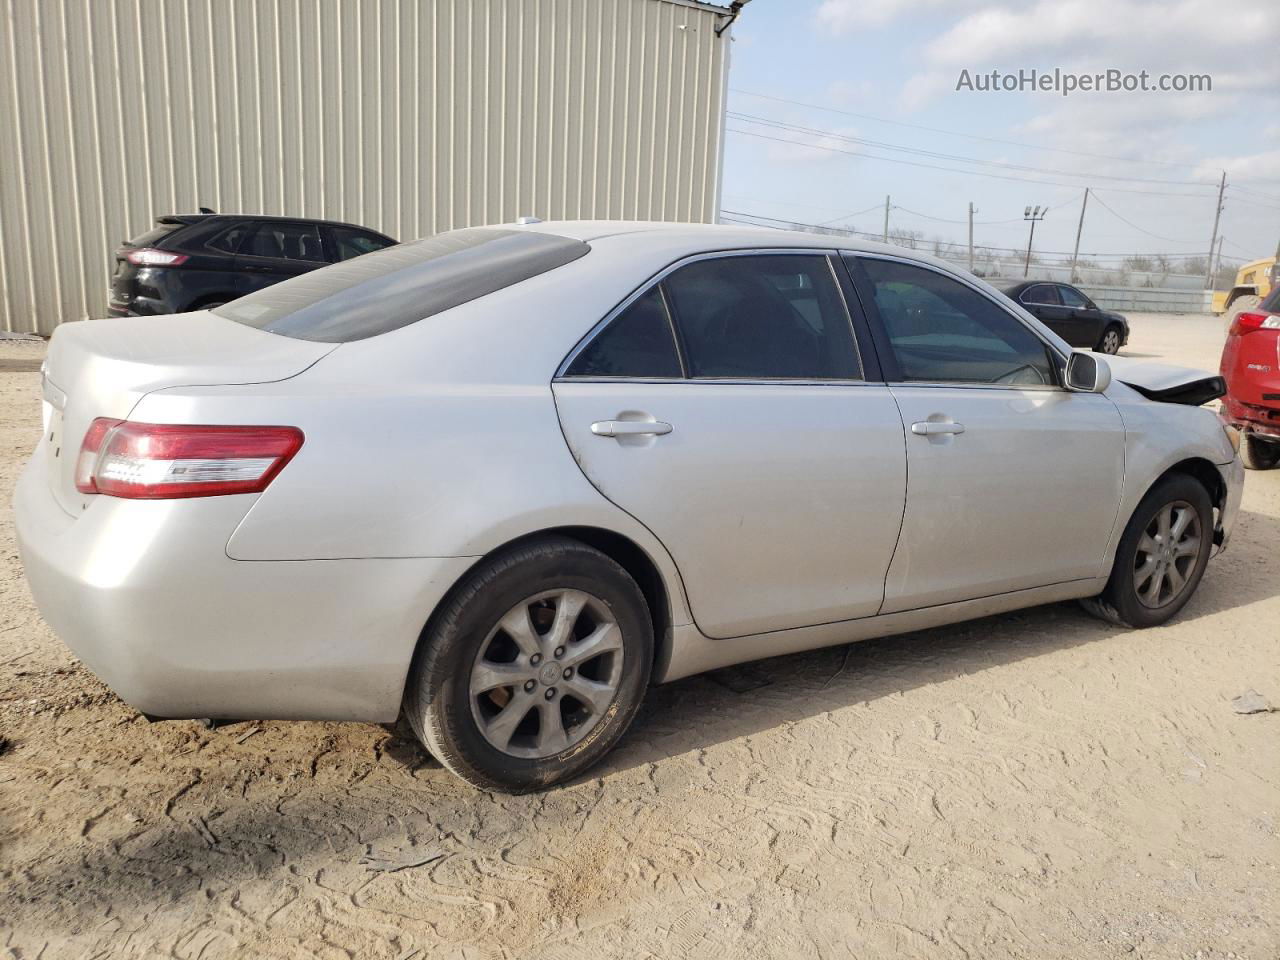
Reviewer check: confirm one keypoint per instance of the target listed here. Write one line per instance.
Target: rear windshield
(153, 236)
(392, 288)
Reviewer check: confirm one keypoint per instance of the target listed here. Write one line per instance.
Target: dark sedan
(195, 261)
(1071, 315)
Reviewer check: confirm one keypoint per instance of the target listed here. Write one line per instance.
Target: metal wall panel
(408, 116)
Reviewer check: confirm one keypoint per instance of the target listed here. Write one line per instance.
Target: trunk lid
(102, 368)
(1252, 364)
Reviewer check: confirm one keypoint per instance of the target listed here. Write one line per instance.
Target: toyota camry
(503, 479)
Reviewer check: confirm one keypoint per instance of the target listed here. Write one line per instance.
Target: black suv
(199, 260)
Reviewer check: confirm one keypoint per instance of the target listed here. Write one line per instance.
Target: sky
(812, 81)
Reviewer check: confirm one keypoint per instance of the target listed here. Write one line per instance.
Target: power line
(778, 223)
(967, 136)
(1124, 219)
(884, 145)
(985, 223)
(934, 166)
(848, 216)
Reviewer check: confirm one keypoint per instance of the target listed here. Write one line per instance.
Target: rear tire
(534, 667)
(1110, 341)
(1258, 454)
(1161, 556)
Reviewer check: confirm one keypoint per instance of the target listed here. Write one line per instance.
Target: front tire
(1110, 342)
(534, 667)
(1161, 556)
(1258, 454)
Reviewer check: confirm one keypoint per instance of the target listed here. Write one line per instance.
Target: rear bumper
(1250, 418)
(145, 594)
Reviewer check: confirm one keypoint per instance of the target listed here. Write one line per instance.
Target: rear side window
(348, 243)
(285, 241)
(229, 240)
(637, 343)
(767, 316)
(392, 288)
(1041, 293)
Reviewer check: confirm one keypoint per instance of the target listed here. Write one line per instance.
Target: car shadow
(701, 711)
(206, 841)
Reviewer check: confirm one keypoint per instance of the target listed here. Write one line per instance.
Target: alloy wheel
(1167, 554)
(546, 674)
(1111, 342)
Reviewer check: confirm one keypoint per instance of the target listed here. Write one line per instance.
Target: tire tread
(436, 728)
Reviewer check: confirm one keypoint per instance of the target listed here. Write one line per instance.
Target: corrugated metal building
(408, 116)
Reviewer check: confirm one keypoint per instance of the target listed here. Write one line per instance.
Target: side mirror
(1087, 373)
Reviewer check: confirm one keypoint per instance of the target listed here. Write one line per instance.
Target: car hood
(1167, 383)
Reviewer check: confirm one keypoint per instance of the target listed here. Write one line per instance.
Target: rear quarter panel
(440, 439)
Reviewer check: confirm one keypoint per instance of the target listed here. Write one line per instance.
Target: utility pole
(1217, 261)
(1033, 214)
(1079, 230)
(885, 236)
(1213, 241)
(972, 211)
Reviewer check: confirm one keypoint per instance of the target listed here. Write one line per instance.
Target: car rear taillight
(162, 461)
(1249, 320)
(151, 257)
(89, 453)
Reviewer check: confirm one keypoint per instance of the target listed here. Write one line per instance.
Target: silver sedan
(502, 479)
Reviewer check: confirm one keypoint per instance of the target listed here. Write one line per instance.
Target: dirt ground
(1035, 785)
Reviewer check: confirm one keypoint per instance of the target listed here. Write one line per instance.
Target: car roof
(193, 218)
(683, 238)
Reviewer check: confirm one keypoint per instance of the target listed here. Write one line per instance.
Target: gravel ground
(1033, 785)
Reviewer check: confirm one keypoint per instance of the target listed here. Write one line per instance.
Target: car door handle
(931, 428)
(630, 428)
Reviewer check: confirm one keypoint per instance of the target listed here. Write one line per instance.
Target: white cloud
(1125, 34)
(1234, 41)
(1248, 168)
(842, 16)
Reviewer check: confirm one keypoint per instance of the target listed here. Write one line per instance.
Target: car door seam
(906, 494)
(555, 405)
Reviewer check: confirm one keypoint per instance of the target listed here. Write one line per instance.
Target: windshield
(392, 288)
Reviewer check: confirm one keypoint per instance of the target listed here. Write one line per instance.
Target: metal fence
(408, 116)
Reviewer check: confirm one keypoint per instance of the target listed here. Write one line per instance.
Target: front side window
(767, 316)
(1074, 298)
(637, 343)
(285, 241)
(392, 288)
(1042, 293)
(942, 330)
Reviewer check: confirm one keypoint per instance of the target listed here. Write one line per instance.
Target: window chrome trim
(826, 252)
(1036, 303)
(730, 381)
(1049, 345)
